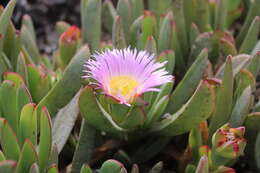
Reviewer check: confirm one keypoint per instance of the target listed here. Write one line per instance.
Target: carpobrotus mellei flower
(125, 74)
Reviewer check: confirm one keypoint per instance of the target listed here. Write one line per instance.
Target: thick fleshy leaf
(118, 35)
(165, 90)
(201, 42)
(135, 32)
(194, 33)
(112, 166)
(5, 64)
(224, 99)
(200, 14)
(5, 18)
(23, 97)
(27, 56)
(243, 80)
(188, 13)
(27, 21)
(38, 81)
(8, 100)
(253, 11)
(9, 141)
(12, 44)
(27, 158)
(64, 123)
(124, 10)
(179, 54)
(199, 107)
(29, 44)
(12, 99)
(91, 22)
(164, 39)
(195, 142)
(251, 37)
(133, 119)
(85, 169)
(54, 157)
(182, 34)
(149, 28)
(21, 67)
(14, 77)
(94, 113)
(45, 139)
(251, 124)
(109, 12)
(137, 8)
(68, 43)
(254, 64)
(221, 15)
(238, 62)
(189, 83)
(156, 110)
(159, 7)
(65, 89)
(227, 45)
(85, 147)
(150, 45)
(241, 108)
(28, 124)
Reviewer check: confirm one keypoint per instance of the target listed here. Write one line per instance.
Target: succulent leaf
(27, 158)
(84, 147)
(188, 84)
(67, 86)
(91, 22)
(186, 118)
(112, 166)
(45, 139)
(224, 99)
(5, 18)
(28, 124)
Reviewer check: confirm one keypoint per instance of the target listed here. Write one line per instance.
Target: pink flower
(125, 74)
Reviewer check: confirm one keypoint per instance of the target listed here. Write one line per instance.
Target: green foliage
(214, 69)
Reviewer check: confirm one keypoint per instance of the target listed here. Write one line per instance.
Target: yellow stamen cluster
(123, 86)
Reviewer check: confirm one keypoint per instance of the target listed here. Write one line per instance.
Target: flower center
(123, 86)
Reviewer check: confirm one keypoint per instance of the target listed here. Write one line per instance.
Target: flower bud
(68, 44)
(229, 142)
(71, 35)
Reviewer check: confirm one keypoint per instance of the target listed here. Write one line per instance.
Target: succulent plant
(168, 68)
